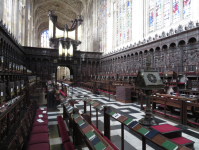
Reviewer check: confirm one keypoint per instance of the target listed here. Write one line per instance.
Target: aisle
(127, 109)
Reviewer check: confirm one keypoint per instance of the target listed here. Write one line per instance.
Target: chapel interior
(99, 75)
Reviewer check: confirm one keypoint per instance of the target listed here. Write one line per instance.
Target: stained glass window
(45, 39)
(103, 24)
(123, 21)
(117, 24)
(166, 12)
(129, 12)
(187, 8)
(151, 17)
(176, 10)
(7, 13)
(158, 14)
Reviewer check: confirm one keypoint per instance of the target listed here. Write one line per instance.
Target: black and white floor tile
(132, 140)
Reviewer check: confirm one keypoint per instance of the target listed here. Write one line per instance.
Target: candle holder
(166, 79)
(185, 85)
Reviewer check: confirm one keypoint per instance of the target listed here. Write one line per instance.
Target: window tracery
(7, 13)
(151, 16)
(123, 21)
(158, 14)
(187, 8)
(176, 11)
(45, 39)
(171, 12)
(166, 12)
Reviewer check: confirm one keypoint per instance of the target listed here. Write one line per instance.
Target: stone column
(194, 10)
(181, 10)
(137, 20)
(171, 12)
(114, 32)
(1, 9)
(26, 23)
(145, 17)
(13, 17)
(109, 25)
(95, 35)
(16, 19)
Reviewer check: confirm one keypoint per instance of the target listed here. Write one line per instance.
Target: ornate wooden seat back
(14, 144)
(87, 118)
(20, 137)
(196, 114)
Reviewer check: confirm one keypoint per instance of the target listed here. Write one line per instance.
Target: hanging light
(13, 67)
(60, 48)
(65, 31)
(51, 24)
(70, 50)
(1, 57)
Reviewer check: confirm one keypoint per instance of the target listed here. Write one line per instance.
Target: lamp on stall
(13, 65)
(10, 66)
(65, 39)
(1, 63)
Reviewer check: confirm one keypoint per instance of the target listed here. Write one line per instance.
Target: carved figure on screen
(191, 57)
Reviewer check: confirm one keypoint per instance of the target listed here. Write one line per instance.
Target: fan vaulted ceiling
(66, 10)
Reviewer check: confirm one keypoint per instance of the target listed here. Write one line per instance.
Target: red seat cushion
(61, 126)
(36, 123)
(110, 143)
(45, 117)
(40, 112)
(59, 118)
(64, 133)
(181, 140)
(38, 138)
(64, 136)
(69, 146)
(165, 128)
(98, 130)
(39, 109)
(40, 146)
(39, 129)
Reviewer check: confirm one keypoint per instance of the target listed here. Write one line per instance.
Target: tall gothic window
(7, 13)
(129, 18)
(123, 21)
(120, 21)
(166, 12)
(187, 8)
(158, 14)
(118, 30)
(103, 24)
(169, 16)
(151, 16)
(45, 39)
(176, 10)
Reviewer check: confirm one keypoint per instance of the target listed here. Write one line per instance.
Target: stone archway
(63, 73)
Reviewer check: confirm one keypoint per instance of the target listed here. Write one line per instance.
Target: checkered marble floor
(131, 110)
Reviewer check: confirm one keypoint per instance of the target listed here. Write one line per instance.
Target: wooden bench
(62, 129)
